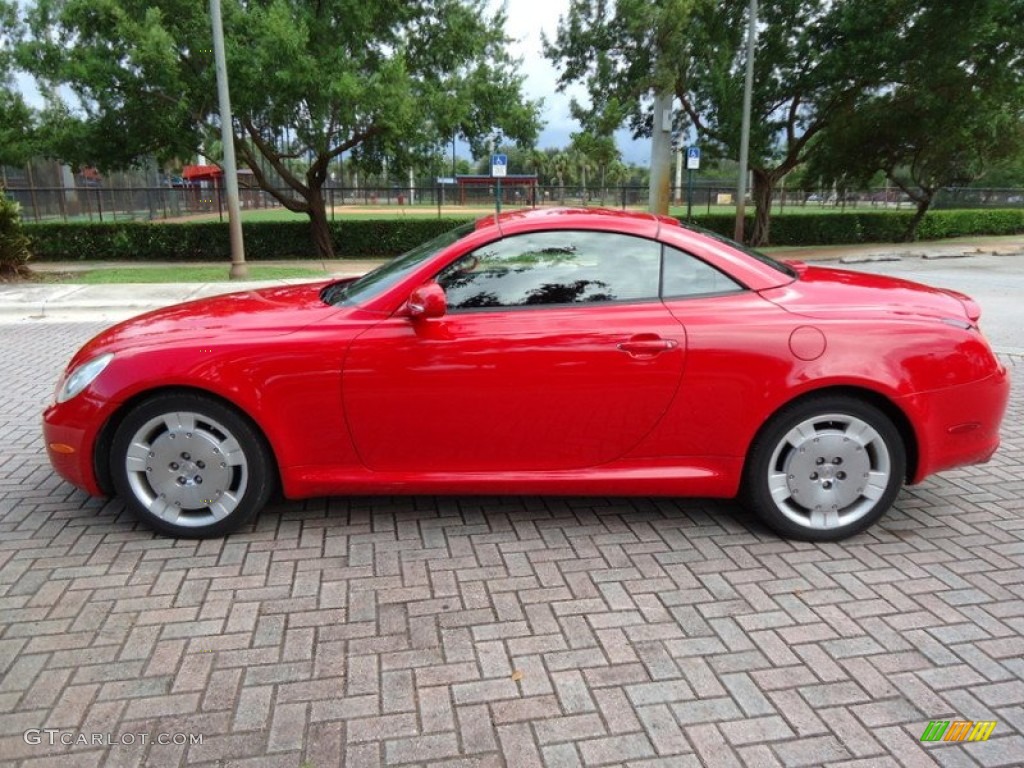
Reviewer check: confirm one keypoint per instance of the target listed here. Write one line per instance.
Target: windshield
(386, 275)
(763, 258)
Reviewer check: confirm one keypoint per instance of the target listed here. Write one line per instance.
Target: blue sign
(499, 165)
(692, 158)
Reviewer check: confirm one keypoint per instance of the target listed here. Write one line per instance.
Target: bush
(384, 238)
(852, 227)
(209, 241)
(15, 248)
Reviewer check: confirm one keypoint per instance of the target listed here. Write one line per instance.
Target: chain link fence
(50, 192)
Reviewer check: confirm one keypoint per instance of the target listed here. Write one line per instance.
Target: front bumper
(70, 431)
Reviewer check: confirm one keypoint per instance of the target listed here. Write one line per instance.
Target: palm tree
(583, 163)
(615, 173)
(560, 166)
(537, 162)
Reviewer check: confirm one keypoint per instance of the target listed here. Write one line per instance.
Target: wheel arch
(896, 414)
(105, 437)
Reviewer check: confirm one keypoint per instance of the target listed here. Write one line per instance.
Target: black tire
(824, 468)
(190, 466)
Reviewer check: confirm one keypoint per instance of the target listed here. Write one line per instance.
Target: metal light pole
(239, 269)
(748, 87)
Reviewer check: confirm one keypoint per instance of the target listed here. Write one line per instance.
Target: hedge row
(209, 241)
(377, 238)
(850, 228)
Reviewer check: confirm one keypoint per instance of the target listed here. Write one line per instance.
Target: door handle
(647, 345)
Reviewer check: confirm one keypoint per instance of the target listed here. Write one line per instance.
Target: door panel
(534, 388)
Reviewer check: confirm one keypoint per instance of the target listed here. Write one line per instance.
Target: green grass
(183, 274)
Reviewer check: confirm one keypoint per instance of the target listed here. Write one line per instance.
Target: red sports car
(540, 352)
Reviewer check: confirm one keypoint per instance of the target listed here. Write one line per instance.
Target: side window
(686, 275)
(562, 267)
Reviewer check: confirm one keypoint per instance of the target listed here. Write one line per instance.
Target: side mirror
(427, 301)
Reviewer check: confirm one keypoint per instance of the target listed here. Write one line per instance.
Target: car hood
(823, 292)
(267, 311)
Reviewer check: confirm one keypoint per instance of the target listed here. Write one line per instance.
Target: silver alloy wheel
(829, 471)
(186, 469)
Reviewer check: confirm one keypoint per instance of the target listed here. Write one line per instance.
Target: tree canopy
(952, 108)
(389, 78)
(16, 119)
(814, 60)
(823, 68)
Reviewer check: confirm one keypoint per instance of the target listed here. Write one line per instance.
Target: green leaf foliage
(851, 228)
(209, 241)
(15, 247)
(310, 79)
(385, 238)
(929, 89)
(814, 60)
(953, 105)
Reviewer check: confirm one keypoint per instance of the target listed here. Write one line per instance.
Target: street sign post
(499, 169)
(692, 164)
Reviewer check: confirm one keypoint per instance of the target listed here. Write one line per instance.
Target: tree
(386, 79)
(560, 166)
(537, 163)
(582, 163)
(17, 135)
(16, 118)
(953, 108)
(815, 60)
(592, 152)
(14, 245)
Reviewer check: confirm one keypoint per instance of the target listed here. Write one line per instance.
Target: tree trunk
(923, 204)
(319, 227)
(764, 189)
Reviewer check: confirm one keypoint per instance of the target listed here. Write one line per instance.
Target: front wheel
(825, 468)
(191, 466)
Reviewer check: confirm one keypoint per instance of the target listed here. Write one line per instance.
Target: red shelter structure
(199, 173)
(516, 189)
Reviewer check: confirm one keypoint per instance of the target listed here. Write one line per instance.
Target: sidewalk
(117, 301)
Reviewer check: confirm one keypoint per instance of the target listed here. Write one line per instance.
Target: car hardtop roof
(530, 216)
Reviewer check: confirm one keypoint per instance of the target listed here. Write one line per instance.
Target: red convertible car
(540, 352)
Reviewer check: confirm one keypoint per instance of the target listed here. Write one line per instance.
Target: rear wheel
(825, 468)
(190, 466)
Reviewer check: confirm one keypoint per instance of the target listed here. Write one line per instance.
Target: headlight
(83, 376)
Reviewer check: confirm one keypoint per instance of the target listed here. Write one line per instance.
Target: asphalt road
(995, 282)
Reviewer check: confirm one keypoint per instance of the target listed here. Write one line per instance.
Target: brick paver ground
(494, 632)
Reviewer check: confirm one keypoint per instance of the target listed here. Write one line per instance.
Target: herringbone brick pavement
(500, 631)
